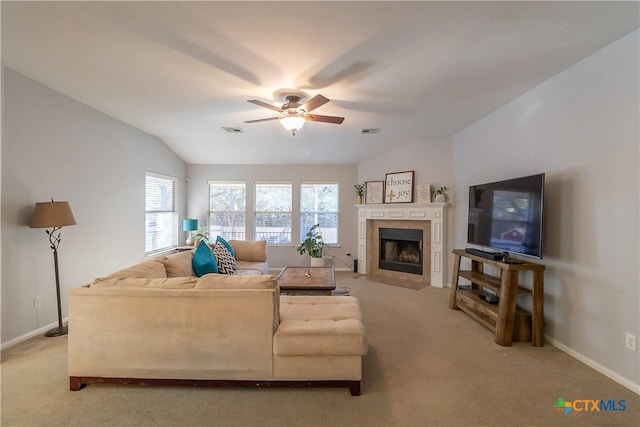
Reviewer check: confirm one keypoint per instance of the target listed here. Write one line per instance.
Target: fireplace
(429, 217)
(401, 250)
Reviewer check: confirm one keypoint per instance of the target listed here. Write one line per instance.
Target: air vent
(368, 131)
(233, 130)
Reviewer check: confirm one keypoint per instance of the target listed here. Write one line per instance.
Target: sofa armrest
(253, 251)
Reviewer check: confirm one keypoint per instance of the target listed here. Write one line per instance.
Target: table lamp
(54, 215)
(190, 225)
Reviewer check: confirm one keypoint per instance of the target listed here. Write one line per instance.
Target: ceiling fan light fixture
(292, 123)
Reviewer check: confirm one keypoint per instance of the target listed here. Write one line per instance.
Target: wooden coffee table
(307, 280)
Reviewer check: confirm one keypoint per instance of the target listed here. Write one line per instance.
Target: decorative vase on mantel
(359, 192)
(440, 195)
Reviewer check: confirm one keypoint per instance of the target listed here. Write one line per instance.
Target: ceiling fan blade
(325, 119)
(314, 103)
(264, 104)
(262, 120)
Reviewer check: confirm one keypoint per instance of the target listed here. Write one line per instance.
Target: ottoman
(320, 338)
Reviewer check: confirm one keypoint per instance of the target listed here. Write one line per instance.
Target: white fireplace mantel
(434, 212)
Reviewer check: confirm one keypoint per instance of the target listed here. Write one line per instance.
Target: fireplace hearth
(401, 250)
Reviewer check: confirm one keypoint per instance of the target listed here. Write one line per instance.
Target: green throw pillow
(226, 245)
(203, 260)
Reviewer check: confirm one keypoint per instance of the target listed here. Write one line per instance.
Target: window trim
(244, 211)
(175, 212)
(337, 212)
(256, 212)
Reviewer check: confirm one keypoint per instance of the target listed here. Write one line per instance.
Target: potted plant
(441, 194)
(201, 234)
(313, 244)
(359, 191)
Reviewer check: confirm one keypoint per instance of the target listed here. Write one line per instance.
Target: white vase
(317, 262)
(440, 198)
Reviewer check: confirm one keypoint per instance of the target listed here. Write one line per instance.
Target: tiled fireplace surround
(431, 217)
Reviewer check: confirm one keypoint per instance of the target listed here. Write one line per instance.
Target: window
(227, 209)
(273, 212)
(161, 217)
(319, 205)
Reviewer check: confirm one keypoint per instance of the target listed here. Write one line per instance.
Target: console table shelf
(489, 281)
(507, 320)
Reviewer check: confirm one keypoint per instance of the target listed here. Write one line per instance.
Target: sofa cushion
(246, 250)
(142, 282)
(226, 245)
(226, 261)
(250, 267)
(150, 269)
(320, 326)
(203, 260)
(224, 281)
(179, 264)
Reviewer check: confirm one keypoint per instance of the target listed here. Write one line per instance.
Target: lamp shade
(189, 225)
(292, 123)
(52, 214)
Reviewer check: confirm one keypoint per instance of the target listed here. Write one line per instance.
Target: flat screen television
(506, 216)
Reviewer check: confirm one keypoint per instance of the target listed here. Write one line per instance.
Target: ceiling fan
(293, 115)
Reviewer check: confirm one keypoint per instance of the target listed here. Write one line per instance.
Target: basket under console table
(505, 318)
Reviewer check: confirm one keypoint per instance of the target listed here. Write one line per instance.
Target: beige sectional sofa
(155, 322)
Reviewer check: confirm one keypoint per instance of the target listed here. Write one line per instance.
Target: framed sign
(373, 191)
(398, 187)
(423, 193)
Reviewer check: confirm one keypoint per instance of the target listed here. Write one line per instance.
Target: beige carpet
(427, 366)
(416, 286)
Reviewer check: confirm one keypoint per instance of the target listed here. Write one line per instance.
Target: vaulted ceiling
(418, 71)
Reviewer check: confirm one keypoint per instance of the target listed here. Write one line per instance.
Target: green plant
(441, 190)
(313, 243)
(201, 234)
(359, 189)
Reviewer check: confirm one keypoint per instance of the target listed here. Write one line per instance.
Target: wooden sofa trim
(77, 383)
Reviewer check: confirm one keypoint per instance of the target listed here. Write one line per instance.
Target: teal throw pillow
(226, 245)
(203, 261)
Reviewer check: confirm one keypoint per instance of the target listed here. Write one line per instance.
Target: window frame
(337, 212)
(257, 213)
(244, 211)
(174, 212)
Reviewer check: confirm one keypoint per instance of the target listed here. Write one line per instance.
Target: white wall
(56, 147)
(582, 128)
(280, 256)
(431, 161)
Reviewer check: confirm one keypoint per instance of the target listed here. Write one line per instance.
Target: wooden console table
(501, 317)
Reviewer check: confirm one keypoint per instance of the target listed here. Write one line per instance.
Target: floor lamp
(54, 215)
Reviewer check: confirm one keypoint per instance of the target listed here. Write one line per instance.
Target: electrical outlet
(37, 302)
(631, 342)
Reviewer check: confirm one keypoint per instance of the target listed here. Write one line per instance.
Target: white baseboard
(29, 335)
(595, 365)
